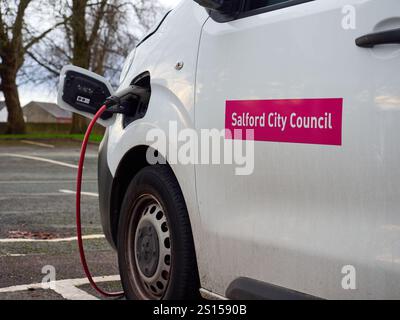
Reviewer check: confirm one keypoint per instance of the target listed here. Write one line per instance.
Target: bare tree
(15, 40)
(97, 35)
(83, 40)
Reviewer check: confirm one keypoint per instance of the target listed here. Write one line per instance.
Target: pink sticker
(311, 121)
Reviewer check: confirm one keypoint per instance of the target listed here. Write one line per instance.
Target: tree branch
(42, 64)
(35, 40)
(3, 33)
(97, 22)
(19, 21)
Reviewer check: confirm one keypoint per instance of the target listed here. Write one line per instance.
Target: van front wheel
(155, 244)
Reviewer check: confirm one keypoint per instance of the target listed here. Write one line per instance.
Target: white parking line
(89, 237)
(13, 255)
(29, 195)
(39, 144)
(66, 288)
(64, 164)
(90, 194)
(44, 182)
(70, 292)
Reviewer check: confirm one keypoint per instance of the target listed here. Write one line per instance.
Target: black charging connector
(129, 101)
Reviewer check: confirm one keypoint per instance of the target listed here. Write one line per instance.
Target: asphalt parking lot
(37, 222)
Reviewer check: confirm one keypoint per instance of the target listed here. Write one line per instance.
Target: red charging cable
(78, 208)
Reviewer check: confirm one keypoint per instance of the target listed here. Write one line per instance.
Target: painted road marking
(66, 288)
(30, 195)
(70, 292)
(32, 212)
(89, 237)
(64, 164)
(90, 194)
(45, 182)
(39, 144)
(12, 255)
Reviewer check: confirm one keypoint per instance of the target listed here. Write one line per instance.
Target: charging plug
(128, 101)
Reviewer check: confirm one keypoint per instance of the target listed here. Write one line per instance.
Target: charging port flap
(84, 92)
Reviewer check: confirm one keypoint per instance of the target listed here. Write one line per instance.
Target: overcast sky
(170, 3)
(35, 94)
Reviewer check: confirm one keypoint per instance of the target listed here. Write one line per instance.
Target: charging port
(142, 81)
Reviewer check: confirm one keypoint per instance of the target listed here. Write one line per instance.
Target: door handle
(373, 39)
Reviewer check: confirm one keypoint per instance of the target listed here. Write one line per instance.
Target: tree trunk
(81, 59)
(16, 122)
(81, 53)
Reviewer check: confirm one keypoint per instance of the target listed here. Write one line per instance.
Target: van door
(320, 213)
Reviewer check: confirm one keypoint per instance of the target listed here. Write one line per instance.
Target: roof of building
(51, 108)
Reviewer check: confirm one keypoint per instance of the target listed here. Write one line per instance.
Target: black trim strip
(273, 7)
(250, 289)
(155, 30)
(223, 18)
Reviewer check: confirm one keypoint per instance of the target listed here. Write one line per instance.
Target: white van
(316, 211)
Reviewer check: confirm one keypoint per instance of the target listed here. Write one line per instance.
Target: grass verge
(49, 136)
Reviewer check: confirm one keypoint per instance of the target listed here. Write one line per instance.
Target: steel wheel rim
(150, 248)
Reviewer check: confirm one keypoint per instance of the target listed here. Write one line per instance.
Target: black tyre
(155, 243)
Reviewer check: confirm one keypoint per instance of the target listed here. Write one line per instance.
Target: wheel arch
(131, 164)
(133, 161)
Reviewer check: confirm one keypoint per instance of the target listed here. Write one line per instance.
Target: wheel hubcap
(152, 248)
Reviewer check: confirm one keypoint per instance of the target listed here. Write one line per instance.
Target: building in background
(3, 112)
(44, 112)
